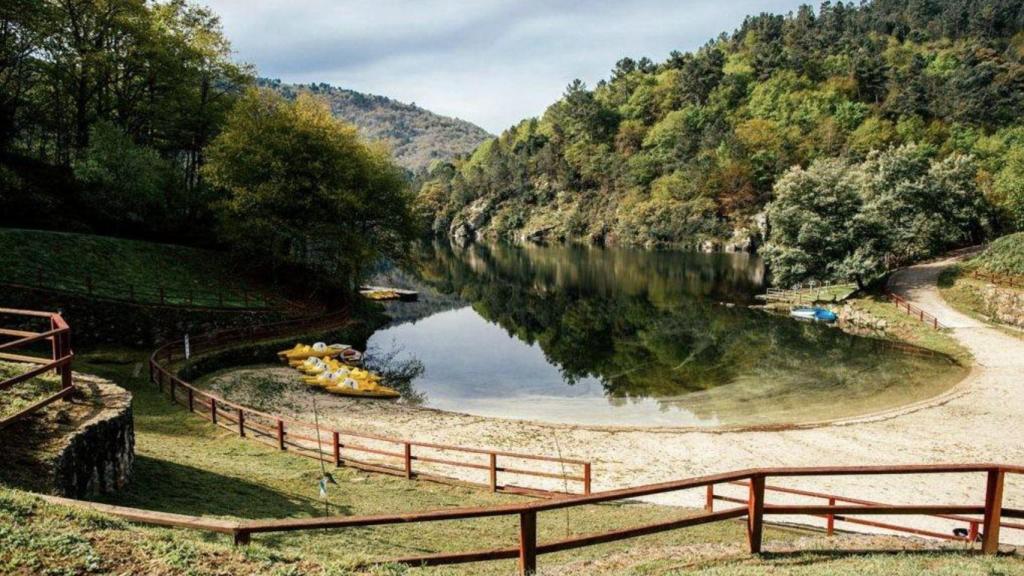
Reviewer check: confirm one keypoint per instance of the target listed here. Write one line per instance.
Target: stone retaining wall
(98, 457)
(1004, 305)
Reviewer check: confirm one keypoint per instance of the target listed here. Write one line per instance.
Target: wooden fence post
(190, 400)
(755, 513)
(280, 434)
(831, 525)
(173, 381)
(528, 543)
(586, 479)
(241, 423)
(337, 448)
(709, 498)
(972, 534)
(993, 511)
(213, 410)
(494, 471)
(408, 460)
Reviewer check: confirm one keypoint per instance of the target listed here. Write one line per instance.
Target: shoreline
(969, 423)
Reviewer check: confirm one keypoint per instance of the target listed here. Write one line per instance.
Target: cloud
(492, 62)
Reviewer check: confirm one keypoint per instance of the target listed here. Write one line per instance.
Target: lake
(627, 337)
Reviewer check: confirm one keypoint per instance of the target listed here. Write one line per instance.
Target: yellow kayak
(373, 392)
(319, 350)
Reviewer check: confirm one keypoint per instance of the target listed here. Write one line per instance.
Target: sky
(491, 62)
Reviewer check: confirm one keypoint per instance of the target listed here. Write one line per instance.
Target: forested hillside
(417, 137)
(690, 150)
(131, 118)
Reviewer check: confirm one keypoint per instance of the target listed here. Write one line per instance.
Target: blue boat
(813, 313)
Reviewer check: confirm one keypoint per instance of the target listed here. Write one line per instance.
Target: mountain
(418, 137)
(688, 151)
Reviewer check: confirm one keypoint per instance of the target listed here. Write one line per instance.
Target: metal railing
(59, 337)
(493, 469)
(988, 514)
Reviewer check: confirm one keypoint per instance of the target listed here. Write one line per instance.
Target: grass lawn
(24, 394)
(122, 269)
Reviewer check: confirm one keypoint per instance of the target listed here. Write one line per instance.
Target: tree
(125, 184)
(305, 195)
(812, 219)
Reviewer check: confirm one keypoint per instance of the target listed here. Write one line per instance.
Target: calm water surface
(629, 337)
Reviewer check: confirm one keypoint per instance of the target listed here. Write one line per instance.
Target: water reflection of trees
(646, 324)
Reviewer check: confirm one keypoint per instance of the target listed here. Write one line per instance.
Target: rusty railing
(59, 337)
(493, 469)
(988, 514)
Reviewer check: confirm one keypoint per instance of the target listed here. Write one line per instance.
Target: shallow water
(628, 337)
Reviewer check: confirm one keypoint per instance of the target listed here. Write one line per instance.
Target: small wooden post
(213, 410)
(709, 498)
(190, 400)
(755, 513)
(494, 471)
(242, 538)
(173, 382)
(831, 526)
(993, 511)
(241, 423)
(586, 479)
(408, 460)
(972, 534)
(280, 434)
(527, 543)
(337, 448)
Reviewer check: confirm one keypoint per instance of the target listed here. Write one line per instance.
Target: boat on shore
(814, 314)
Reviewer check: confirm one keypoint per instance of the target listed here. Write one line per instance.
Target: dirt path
(979, 422)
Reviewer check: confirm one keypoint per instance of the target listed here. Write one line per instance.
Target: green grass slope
(1003, 256)
(123, 269)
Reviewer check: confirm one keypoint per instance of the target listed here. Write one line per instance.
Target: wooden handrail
(221, 299)
(322, 447)
(61, 356)
(912, 310)
(754, 510)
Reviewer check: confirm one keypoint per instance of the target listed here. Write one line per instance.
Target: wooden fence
(914, 311)
(496, 470)
(987, 515)
(219, 297)
(59, 337)
(1001, 279)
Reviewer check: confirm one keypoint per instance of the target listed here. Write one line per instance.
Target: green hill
(418, 137)
(1004, 256)
(123, 269)
(689, 150)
